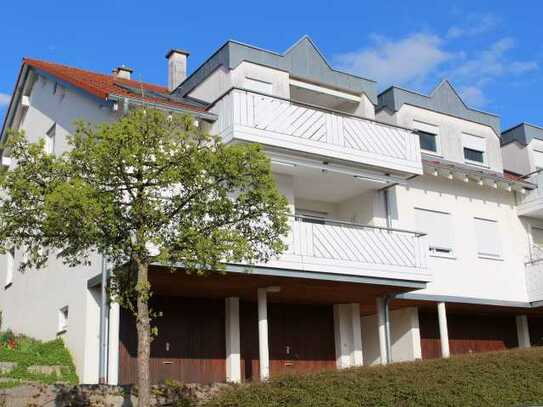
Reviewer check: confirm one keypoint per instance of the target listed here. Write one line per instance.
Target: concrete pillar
(443, 330)
(114, 321)
(523, 331)
(382, 330)
(357, 358)
(348, 335)
(263, 334)
(232, 339)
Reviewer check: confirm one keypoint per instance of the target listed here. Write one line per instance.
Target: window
(258, 85)
(309, 216)
(488, 238)
(474, 148)
(438, 226)
(428, 141)
(10, 267)
(63, 319)
(50, 137)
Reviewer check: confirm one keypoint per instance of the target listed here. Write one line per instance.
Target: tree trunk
(143, 326)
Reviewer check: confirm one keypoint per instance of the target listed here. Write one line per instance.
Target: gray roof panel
(443, 99)
(303, 60)
(522, 133)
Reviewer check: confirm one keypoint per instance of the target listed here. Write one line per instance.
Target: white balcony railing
(331, 246)
(531, 203)
(254, 117)
(534, 274)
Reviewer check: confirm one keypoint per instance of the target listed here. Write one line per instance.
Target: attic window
(474, 148)
(428, 141)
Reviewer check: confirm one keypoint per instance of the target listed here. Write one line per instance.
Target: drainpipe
(102, 362)
(388, 341)
(387, 208)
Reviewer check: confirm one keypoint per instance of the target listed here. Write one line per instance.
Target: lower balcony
(534, 276)
(343, 248)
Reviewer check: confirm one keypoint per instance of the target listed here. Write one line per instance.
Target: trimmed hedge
(510, 378)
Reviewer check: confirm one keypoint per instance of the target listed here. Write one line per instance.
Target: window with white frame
(63, 319)
(10, 266)
(428, 136)
(258, 86)
(438, 226)
(50, 138)
(474, 148)
(488, 238)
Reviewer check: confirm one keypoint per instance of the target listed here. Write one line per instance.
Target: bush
(509, 378)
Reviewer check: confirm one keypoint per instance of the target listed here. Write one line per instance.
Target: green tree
(149, 188)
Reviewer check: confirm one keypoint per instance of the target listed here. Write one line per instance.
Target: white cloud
(420, 60)
(409, 59)
(4, 99)
(473, 96)
(492, 63)
(474, 24)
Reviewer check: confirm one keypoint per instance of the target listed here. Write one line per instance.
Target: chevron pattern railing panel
(285, 117)
(357, 244)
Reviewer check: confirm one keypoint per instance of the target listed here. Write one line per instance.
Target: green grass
(28, 352)
(512, 378)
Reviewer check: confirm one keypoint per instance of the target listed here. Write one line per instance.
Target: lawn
(34, 358)
(511, 378)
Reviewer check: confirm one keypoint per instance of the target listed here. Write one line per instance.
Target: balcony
(337, 247)
(253, 117)
(534, 274)
(532, 202)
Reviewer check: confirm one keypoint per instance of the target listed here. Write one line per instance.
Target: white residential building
(414, 233)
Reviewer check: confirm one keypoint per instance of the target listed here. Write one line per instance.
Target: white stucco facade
(333, 162)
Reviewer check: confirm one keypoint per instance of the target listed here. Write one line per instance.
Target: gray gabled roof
(302, 60)
(522, 133)
(443, 99)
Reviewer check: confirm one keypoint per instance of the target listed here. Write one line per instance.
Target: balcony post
(263, 349)
(443, 329)
(523, 331)
(232, 339)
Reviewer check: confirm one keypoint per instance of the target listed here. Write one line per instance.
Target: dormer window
(474, 149)
(428, 141)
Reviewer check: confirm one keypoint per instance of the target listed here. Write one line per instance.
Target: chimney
(123, 72)
(177, 67)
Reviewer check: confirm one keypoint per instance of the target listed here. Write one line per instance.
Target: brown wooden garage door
(301, 339)
(467, 333)
(535, 323)
(190, 346)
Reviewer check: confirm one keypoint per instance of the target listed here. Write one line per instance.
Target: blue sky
(490, 50)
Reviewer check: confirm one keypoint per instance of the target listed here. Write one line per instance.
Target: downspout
(388, 341)
(104, 308)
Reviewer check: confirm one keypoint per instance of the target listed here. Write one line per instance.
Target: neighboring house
(408, 239)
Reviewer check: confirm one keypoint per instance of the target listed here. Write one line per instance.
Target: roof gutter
(138, 102)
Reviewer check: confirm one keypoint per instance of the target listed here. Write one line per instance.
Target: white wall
(467, 275)
(450, 133)
(404, 335)
(516, 158)
(31, 304)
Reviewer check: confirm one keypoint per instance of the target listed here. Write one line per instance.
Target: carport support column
(523, 331)
(263, 334)
(233, 359)
(347, 335)
(443, 329)
(382, 329)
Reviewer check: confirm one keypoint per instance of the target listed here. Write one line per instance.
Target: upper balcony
(531, 204)
(277, 122)
(338, 247)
